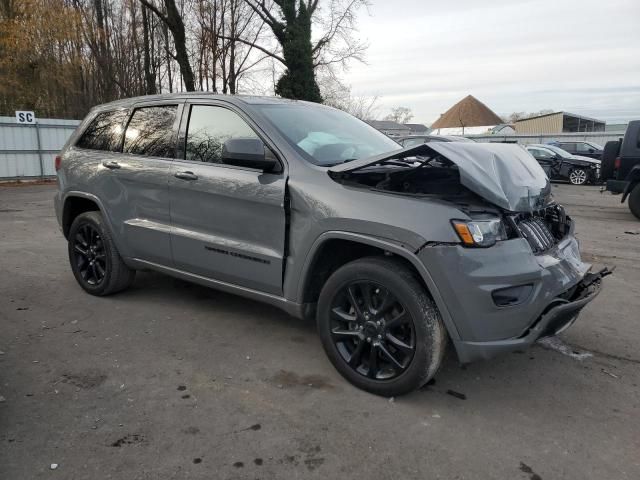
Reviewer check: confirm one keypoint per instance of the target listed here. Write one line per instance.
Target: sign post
(29, 118)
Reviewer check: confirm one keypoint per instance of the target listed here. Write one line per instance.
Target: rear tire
(94, 258)
(393, 341)
(634, 201)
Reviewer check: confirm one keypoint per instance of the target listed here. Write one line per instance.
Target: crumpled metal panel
(505, 175)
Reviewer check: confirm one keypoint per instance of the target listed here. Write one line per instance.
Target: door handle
(112, 165)
(186, 176)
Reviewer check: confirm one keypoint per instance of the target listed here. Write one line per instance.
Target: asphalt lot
(171, 380)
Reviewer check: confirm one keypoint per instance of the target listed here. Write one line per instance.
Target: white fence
(596, 137)
(29, 150)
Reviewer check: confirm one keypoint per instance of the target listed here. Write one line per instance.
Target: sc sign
(26, 117)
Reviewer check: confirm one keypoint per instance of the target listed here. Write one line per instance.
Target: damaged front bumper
(544, 293)
(558, 316)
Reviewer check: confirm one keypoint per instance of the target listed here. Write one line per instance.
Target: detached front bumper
(504, 298)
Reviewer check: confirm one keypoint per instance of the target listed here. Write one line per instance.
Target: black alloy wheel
(373, 332)
(380, 327)
(90, 255)
(94, 257)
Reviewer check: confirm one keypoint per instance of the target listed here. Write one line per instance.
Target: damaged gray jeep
(395, 253)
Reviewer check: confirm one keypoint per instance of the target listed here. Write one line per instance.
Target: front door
(227, 222)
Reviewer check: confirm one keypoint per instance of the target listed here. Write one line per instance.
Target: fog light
(510, 296)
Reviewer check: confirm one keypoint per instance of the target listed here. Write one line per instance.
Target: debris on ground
(459, 395)
(609, 373)
(54, 466)
(555, 343)
(632, 233)
(392, 399)
(2, 399)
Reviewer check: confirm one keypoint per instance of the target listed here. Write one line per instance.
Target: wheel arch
(633, 177)
(314, 274)
(75, 203)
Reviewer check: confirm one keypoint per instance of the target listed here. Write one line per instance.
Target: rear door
(137, 187)
(228, 222)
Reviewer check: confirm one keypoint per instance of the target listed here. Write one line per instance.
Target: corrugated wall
(19, 153)
(546, 124)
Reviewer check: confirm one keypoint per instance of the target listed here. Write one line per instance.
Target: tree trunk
(149, 77)
(176, 25)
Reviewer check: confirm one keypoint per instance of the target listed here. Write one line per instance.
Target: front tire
(634, 201)
(94, 258)
(578, 176)
(379, 327)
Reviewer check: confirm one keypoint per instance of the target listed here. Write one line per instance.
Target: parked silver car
(392, 251)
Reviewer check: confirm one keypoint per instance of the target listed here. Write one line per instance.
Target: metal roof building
(389, 128)
(559, 122)
(417, 128)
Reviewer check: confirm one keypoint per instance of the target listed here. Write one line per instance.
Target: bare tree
(400, 115)
(339, 95)
(291, 23)
(174, 22)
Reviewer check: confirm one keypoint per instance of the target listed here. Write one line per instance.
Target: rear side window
(209, 127)
(150, 132)
(104, 132)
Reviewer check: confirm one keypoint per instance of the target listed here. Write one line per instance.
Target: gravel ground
(171, 380)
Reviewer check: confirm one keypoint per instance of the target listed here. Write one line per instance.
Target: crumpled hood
(505, 175)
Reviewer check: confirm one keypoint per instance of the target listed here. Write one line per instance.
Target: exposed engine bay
(429, 176)
(433, 175)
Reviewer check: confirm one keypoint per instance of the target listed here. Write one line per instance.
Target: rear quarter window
(104, 132)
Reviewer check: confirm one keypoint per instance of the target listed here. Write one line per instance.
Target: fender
(633, 179)
(389, 246)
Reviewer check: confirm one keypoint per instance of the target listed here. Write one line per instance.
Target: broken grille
(537, 233)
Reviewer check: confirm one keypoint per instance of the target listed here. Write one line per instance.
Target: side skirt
(294, 309)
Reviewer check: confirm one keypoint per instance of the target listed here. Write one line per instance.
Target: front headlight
(480, 233)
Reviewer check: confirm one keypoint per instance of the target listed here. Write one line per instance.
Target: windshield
(327, 137)
(562, 153)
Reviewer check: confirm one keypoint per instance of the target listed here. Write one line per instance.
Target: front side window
(209, 127)
(325, 136)
(150, 132)
(104, 132)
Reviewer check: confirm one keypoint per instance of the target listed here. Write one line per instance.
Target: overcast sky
(582, 56)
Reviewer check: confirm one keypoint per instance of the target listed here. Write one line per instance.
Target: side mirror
(247, 152)
(591, 150)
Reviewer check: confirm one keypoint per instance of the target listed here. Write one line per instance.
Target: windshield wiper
(338, 163)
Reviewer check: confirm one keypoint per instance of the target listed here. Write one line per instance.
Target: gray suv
(394, 252)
